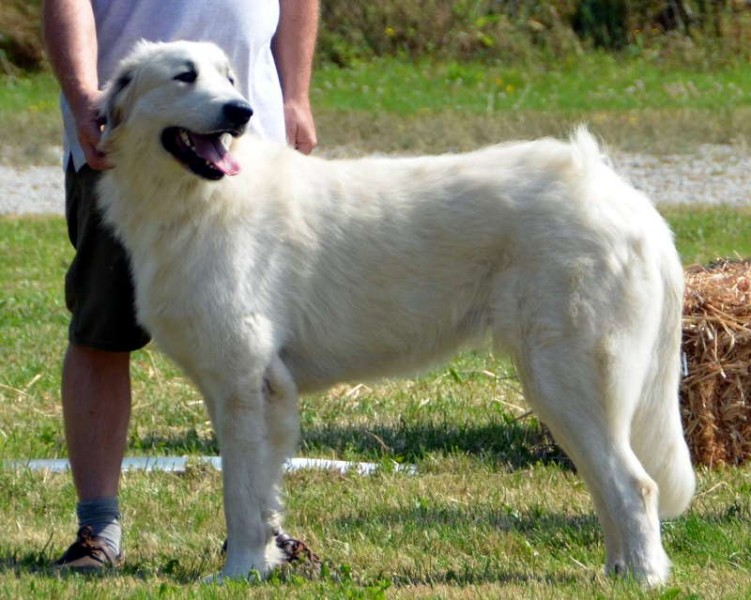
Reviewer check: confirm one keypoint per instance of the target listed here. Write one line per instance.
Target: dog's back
(432, 253)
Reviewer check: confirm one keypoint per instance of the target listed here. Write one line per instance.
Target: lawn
(494, 510)
(395, 106)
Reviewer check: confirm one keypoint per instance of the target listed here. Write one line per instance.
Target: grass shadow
(556, 534)
(512, 444)
(291, 577)
(486, 576)
(537, 525)
(178, 442)
(170, 567)
(14, 561)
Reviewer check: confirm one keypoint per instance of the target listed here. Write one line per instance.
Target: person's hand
(89, 125)
(301, 129)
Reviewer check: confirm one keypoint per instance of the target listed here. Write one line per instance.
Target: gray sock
(103, 516)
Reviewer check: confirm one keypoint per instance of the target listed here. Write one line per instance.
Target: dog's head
(179, 96)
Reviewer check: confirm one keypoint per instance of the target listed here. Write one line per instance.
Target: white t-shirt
(244, 30)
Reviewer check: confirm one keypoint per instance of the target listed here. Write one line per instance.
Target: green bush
(514, 31)
(525, 29)
(441, 28)
(604, 22)
(20, 36)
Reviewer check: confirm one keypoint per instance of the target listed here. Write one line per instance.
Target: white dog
(297, 273)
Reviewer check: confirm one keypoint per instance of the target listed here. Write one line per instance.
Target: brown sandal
(88, 553)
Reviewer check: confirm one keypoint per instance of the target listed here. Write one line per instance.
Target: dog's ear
(116, 100)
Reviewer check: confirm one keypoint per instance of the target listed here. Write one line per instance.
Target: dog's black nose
(238, 112)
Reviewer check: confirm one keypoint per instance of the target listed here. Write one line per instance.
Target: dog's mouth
(205, 154)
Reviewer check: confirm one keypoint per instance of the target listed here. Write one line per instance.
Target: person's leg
(96, 394)
(96, 412)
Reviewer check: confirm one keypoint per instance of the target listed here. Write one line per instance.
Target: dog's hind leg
(578, 391)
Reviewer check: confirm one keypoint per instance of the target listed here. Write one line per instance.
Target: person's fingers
(89, 126)
(89, 135)
(301, 131)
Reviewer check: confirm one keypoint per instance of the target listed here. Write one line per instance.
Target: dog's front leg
(243, 439)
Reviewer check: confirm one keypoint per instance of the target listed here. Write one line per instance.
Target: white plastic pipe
(178, 464)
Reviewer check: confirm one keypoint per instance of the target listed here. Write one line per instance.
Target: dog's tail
(586, 152)
(657, 433)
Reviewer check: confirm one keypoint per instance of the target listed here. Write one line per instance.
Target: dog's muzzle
(207, 154)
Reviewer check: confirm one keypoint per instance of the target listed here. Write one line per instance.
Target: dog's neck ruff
(168, 196)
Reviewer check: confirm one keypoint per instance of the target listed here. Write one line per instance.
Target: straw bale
(717, 362)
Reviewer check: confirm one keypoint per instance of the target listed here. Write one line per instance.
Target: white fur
(301, 272)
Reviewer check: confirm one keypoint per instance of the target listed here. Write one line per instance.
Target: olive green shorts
(98, 286)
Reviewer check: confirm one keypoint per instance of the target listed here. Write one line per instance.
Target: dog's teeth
(186, 138)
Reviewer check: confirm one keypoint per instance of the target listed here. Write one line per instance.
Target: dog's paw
(282, 550)
(652, 575)
(297, 556)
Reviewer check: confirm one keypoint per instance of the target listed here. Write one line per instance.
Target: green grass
(35, 94)
(591, 83)
(29, 104)
(633, 104)
(389, 105)
(703, 234)
(494, 511)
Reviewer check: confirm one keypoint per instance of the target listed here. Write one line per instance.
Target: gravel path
(712, 175)
(31, 190)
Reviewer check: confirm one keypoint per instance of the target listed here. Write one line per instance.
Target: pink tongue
(211, 149)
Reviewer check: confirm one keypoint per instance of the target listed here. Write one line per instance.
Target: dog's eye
(187, 76)
(231, 80)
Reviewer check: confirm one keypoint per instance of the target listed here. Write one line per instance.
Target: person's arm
(294, 45)
(70, 38)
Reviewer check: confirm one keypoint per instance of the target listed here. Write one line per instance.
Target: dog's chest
(179, 275)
